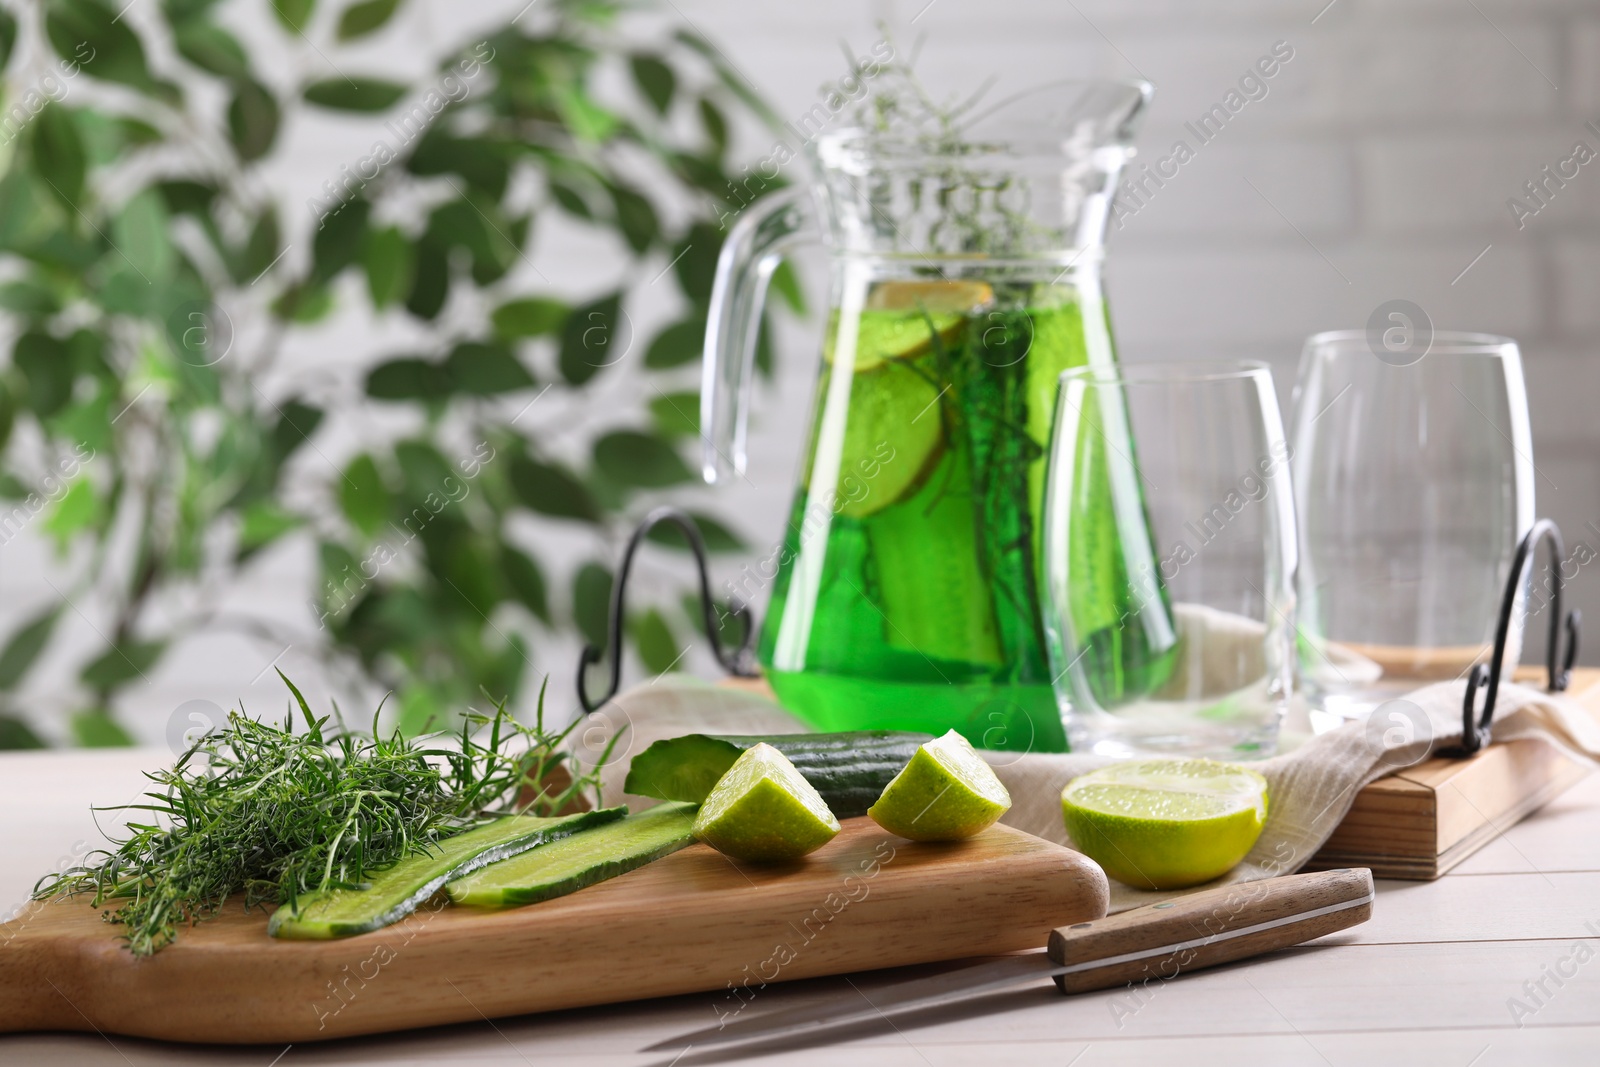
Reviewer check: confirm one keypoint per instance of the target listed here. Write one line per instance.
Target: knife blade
(1158, 941)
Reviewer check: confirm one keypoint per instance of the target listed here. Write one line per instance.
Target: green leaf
(680, 343)
(90, 34)
(294, 14)
(593, 337)
(551, 490)
(97, 729)
(676, 414)
(354, 94)
(636, 218)
(8, 419)
(211, 48)
(787, 285)
(716, 126)
(263, 523)
(16, 735)
(641, 460)
(696, 263)
(297, 422)
(571, 201)
(389, 261)
(430, 285)
(8, 39)
(262, 248)
(24, 646)
(121, 663)
(46, 365)
(338, 242)
(485, 369)
(526, 581)
(408, 379)
(26, 296)
(718, 538)
(655, 80)
(184, 197)
(364, 498)
(658, 648)
(591, 602)
(253, 119)
(361, 19)
(74, 512)
(530, 317)
(587, 120)
(140, 235)
(59, 156)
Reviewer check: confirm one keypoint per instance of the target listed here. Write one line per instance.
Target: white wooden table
(1435, 978)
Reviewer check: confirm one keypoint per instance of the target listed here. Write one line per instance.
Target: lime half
(1166, 824)
(764, 810)
(945, 793)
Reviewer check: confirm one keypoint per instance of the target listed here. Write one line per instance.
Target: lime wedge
(764, 810)
(1166, 824)
(945, 793)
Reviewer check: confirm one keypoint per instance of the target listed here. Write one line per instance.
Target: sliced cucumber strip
(396, 892)
(579, 861)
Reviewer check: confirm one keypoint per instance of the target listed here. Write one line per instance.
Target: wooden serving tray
(691, 922)
(1420, 822)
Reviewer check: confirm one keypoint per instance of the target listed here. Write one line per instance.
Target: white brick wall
(1392, 141)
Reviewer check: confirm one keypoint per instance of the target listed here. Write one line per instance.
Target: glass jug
(965, 277)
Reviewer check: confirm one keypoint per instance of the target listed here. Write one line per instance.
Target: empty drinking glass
(1414, 483)
(1168, 495)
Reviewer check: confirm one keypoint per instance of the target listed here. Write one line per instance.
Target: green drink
(907, 593)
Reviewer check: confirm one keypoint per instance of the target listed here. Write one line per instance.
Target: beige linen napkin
(1311, 787)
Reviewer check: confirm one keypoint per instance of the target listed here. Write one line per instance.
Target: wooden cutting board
(694, 921)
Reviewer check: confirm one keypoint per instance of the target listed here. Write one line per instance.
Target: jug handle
(753, 250)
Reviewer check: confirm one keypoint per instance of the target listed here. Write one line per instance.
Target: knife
(1152, 943)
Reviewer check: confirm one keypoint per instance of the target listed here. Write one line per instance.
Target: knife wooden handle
(1160, 941)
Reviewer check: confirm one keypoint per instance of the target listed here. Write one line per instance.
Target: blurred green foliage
(150, 277)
